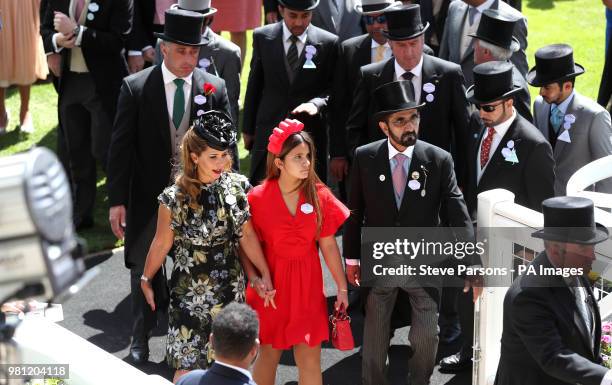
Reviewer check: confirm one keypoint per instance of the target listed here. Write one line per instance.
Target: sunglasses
(369, 20)
(488, 107)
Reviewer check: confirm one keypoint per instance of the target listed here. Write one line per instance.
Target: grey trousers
(423, 335)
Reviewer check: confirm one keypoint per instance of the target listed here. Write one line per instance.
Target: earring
(195, 167)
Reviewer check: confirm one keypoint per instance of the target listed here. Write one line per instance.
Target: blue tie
(556, 118)
(472, 12)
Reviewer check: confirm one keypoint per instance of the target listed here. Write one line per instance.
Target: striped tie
(292, 54)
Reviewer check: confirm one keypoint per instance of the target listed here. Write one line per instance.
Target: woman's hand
(270, 292)
(147, 290)
(341, 299)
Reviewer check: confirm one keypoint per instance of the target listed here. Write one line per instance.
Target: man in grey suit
(463, 19)
(338, 17)
(578, 128)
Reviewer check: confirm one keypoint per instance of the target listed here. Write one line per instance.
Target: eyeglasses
(488, 107)
(369, 20)
(402, 122)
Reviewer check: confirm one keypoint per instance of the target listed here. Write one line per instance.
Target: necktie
(379, 54)
(472, 12)
(178, 107)
(485, 148)
(409, 76)
(292, 53)
(80, 4)
(399, 175)
(556, 118)
(583, 307)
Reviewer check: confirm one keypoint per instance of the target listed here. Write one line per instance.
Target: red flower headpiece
(286, 128)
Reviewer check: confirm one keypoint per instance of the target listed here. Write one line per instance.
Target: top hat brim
(469, 94)
(406, 106)
(359, 8)
(536, 81)
(600, 234)
(210, 11)
(290, 6)
(391, 36)
(514, 43)
(203, 40)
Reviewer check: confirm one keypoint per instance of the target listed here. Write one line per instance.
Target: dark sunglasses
(488, 107)
(369, 20)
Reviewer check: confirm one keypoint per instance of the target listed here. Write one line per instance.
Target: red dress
(289, 244)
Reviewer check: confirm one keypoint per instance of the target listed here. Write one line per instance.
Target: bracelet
(145, 279)
(345, 290)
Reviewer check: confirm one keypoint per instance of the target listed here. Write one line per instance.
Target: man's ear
(383, 126)
(211, 339)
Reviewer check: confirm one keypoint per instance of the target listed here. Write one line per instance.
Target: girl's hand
(341, 299)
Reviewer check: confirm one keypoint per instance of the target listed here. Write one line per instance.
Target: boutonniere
(568, 120)
(200, 100)
(509, 152)
(92, 8)
(429, 89)
(204, 63)
(310, 52)
(209, 89)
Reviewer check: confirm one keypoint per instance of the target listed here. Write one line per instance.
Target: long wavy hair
(187, 178)
(309, 185)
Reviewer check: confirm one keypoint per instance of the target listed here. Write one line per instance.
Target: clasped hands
(64, 25)
(263, 287)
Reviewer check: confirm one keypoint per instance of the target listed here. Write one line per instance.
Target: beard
(407, 139)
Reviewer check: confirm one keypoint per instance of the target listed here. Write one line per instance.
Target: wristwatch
(145, 279)
(76, 30)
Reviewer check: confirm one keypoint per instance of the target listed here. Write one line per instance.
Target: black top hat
(393, 97)
(496, 27)
(183, 27)
(570, 220)
(554, 63)
(216, 128)
(492, 81)
(299, 5)
(404, 23)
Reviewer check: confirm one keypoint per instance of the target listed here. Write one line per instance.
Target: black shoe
(139, 354)
(456, 363)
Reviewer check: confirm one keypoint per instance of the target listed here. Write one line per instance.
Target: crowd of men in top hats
(392, 123)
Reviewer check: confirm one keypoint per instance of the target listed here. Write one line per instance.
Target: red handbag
(342, 336)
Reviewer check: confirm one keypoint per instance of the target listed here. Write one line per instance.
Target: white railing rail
(589, 174)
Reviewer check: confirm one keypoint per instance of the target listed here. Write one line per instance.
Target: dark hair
(235, 330)
(562, 82)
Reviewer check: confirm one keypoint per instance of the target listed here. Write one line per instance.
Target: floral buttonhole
(509, 152)
(306, 208)
(310, 52)
(209, 89)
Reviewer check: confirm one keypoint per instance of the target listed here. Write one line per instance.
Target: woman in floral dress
(202, 219)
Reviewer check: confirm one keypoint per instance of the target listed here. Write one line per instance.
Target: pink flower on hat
(286, 128)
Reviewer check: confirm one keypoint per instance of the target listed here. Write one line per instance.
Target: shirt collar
(393, 151)
(564, 104)
(502, 128)
(416, 71)
(287, 34)
(484, 6)
(169, 76)
(241, 370)
(376, 45)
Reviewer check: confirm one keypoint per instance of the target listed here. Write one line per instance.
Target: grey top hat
(200, 6)
(368, 7)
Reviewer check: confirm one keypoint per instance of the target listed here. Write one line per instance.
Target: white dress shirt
(417, 79)
(170, 88)
(386, 55)
(500, 131)
(300, 43)
(466, 41)
(392, 163)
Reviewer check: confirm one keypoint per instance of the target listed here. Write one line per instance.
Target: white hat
(368, 7)
(201, 6)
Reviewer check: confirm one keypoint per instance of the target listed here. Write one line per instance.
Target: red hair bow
(286, 128)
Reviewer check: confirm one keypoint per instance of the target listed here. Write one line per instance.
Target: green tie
(178, 108)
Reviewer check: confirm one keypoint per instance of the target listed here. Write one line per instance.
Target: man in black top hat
(551, 324)
(388, 179)
(436, 83)
(506, 151)
(156, 107)
(578, 129)
(291, 73)
(493, 41)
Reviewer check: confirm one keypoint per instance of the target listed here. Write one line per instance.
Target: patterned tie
(408, 76)
(292, 53)
(80, 4)
(556, 118)
(178, 107)
(380, 53)
(399, 175)
(485, 148)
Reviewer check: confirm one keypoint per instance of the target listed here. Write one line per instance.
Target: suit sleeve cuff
(54, 41)
(134, 53)
(607, 378)
(356, 262)
(146, 48)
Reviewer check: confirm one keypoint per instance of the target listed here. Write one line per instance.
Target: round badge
(429, 88)
(199, 99)
(306, 208)
(476, 136)
(90, 16)
(204, 63)
(567, 125)
(510, 144)
(569, 118)
(414, 185)
(506, 152)
(230, 199)
(429, 98)
(415, 175)
(93, 7)
(381, 177)
(200, 113)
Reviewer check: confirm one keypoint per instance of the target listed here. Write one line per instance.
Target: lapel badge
(310, 52)
(414, 185)
(199, 99)
(90, 16)
(415, 175)
(509, 152)
(93, 7)
(204, 63)
(306, 208)
(382, 177)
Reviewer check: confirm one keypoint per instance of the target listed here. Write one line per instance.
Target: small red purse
(342, 336)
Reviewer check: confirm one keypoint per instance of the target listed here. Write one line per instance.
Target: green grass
(580, 23)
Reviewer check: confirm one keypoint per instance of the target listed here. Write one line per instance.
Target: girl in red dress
(294, 214)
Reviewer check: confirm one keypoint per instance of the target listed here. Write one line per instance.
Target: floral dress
(207, 274)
